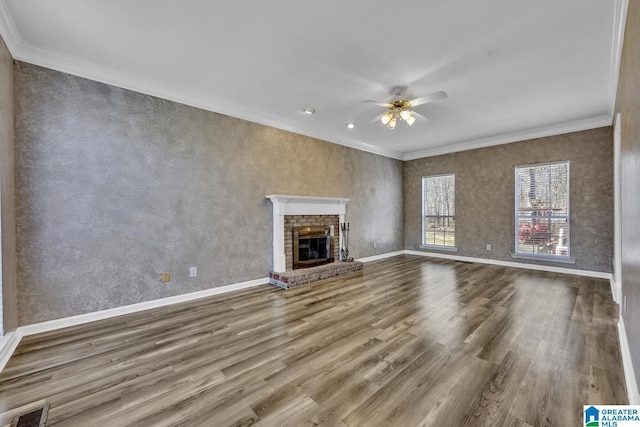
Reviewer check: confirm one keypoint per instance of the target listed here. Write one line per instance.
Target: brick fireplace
(294, 211)
(299, 212)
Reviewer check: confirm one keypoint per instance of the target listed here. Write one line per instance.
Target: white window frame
(567, 217)
(424, 216)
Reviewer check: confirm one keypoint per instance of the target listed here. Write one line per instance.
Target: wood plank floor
(412, 342)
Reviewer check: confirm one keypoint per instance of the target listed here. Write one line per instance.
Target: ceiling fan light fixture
(401, 109)
(392, 123)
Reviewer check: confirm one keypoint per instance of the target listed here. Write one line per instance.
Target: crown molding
(85, 69)
(525, 135)
(8, 29)
(619, 22)
(58, 61)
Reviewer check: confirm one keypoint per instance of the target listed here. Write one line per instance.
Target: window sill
(549, 258)
(439, 248)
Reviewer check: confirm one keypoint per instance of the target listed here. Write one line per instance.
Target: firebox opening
(312, 246)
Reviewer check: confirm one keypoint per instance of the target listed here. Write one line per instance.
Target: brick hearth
(294, 278)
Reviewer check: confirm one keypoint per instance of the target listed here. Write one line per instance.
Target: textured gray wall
(8, 278)
(628, 105)
(485, 194)
(114, 187)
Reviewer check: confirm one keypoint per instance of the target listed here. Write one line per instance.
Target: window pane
(440, 195)
(548, 236)
(542, 209)
(439, 210)
(543, 190)
(440, 231)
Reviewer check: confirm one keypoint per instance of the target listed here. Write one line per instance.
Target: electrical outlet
(488, 246)
(166, 276)
(375, 245)
(193, 271)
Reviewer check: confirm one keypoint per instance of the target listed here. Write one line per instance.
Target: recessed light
(309, 110)
(350, 125)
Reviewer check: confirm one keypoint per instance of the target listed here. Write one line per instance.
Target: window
(542, 210)
(439, 210)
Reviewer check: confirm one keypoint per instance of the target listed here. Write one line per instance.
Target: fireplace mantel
(299, 205)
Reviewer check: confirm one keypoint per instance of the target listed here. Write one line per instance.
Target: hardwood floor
(412, 342)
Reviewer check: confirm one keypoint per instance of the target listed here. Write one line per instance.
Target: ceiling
(513, 69)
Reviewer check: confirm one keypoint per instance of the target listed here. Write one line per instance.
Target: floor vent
(35, 418)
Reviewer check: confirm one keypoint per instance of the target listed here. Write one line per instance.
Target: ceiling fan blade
(419, 116)
(376, 118)
(380, 103)
(429, 98)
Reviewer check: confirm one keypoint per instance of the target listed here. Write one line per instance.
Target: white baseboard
(381, 256)
(616, 290)
(629, 374)
(10, 340)
(8, 344)
(549, 268)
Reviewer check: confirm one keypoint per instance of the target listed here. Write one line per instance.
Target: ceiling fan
(401, 108)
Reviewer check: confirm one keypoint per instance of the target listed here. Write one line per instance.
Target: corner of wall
(8, 270)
